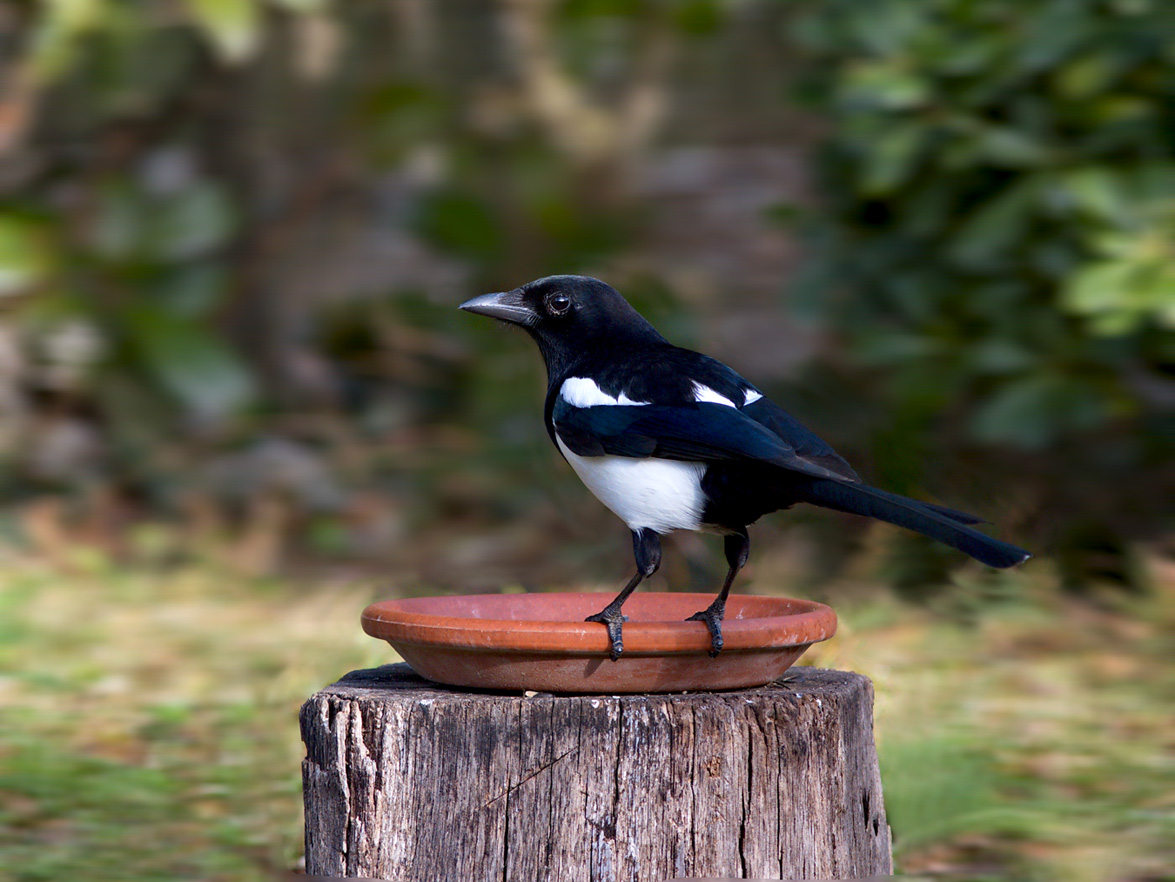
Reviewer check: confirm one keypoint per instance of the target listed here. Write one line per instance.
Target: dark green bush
(997, 241)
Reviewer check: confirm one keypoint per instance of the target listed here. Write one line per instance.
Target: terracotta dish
(540, 642)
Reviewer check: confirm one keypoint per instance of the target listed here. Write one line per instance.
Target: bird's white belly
(655, 494)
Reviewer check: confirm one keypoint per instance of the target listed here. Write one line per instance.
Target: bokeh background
(237, 402)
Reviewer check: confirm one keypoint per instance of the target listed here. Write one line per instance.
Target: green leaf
(1086, 76)
(192, 290)
(1008, 147)
(24, 255)
(401, 116)
(883, 85)
(996, 226)
(190, 364)
(233, 26)
(55, 42)
(1001, 356)
(1033, 411)
(883, 29)
(461, 224)
(130, 224)
(1099, 287)
(895, 348)
(119, 227)
(698, 17)
(1099, 191)
(1154, 181)
(193, 222)
(1119, 296)
(891, 159)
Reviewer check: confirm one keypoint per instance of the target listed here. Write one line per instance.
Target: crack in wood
(529, 777)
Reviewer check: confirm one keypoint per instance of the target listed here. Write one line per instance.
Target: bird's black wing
(808, 445)
(699, 432)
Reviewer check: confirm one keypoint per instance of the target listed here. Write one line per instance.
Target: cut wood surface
(408, 780)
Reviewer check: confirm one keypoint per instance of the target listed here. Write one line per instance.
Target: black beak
(507, 306)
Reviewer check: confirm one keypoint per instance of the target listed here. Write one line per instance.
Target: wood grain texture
(408, 780)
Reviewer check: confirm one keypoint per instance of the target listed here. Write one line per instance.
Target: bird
(671, 439)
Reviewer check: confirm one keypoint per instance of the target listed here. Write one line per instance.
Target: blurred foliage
(232, 234)
(996, 245)
(233, 231)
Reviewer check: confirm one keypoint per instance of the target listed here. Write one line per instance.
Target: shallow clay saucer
(540, 642)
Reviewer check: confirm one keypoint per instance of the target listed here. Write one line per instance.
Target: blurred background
(237, 402)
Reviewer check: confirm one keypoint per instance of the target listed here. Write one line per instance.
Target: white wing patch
(583, 392)
(705, 393)
(751, 397)
(654, 494)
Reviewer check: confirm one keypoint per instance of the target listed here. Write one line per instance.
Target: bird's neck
(564, 361)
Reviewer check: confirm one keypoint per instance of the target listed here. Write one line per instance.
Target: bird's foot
(712, 616)
(613, 618)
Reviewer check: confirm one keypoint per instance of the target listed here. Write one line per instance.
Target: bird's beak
(507, 306)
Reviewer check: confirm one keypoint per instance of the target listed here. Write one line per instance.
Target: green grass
(149, 721)
(1032, 742)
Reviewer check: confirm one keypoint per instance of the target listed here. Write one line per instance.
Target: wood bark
(408, 780)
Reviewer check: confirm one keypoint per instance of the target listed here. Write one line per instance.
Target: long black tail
(946, 525)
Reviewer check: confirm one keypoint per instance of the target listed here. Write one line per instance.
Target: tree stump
(407, 780)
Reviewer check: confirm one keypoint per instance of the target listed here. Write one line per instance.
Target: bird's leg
(646, 547)
(613, 618)
(738, 547)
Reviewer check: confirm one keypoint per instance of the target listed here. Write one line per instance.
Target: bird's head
(567, 316)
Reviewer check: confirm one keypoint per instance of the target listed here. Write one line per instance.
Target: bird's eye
(558, 303)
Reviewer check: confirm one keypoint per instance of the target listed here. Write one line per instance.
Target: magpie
(670, 439)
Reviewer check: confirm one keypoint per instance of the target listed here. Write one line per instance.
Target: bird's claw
(712, 616)
(613, 619)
